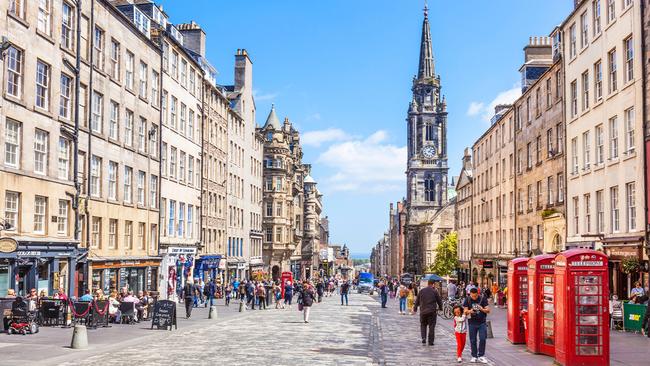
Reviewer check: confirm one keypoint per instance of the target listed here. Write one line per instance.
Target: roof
(272, 120)
(309, 179)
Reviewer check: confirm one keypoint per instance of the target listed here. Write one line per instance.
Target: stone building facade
(463, 219)
(396, 223)
(311, 245)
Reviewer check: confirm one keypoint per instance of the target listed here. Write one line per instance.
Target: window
(278, 234)
(128, 128)
(173, 111)
(600, 145)
(184, 72)
(269, 234)
(190, 125)
(62, 219)
(613, 196)
(141, 192)
(586, 150)
(175, 64)
(17, 8)
(278, 209)
(613, 138)
(598, 81)
(14, 61)
(587, 201)
(629, 129)
(628, 45)
(611, 10)
(141, 21)
(154, 88)
(572, 41)
(95, 176)
(112, 233)
(98, 49)
(171, 229)
(549, 143)
(83, 95)
(529, 194)
(190, 221)
(96, 232)
(44, 17)
(585, 90)
(600, 212)
(128, 234)
(540, 196)
(611, 61)
(85, 33)
(165, 55)
(42, 85)
(192, 86)
(548, 96)
(529, 155)
(559, 135)
(549, 190)
(574, 98)
(153, 140)
(41, 147)
(163, 159)
(40, 213)
(574, 155)
(181, 166)
(12, 207)
(65, 97)
(144, 74)
(115, 60)
(576, 216)
(596, 17)
(584, 34)
(66, 26)
(112, 180)
(172, 163)
(113, 121)
(538, 150)
(164, 107)
(128, 183)
(560, 187)
(142, 133)
(97, 113)
(130, 65)
(190, 170)
(183, 116)
(181, 219)
(141, 238)
(630, 193)
(153, 191)
(64, 159)
(269, 209)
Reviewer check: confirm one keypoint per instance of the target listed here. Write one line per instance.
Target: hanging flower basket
(630, 265)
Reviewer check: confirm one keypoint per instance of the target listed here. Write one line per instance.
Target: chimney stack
(194, 37)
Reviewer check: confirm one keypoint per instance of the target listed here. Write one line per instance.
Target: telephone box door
(517, 298)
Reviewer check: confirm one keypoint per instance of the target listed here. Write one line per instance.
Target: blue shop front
(207, 267)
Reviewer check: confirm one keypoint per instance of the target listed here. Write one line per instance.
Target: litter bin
(524, 322)
(633, 316)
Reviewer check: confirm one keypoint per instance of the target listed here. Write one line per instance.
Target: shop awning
(207, 262)
(618, 240)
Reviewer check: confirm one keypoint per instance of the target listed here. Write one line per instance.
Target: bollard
(79, 337)
(489, 329)
(242, 307)
(213, 313)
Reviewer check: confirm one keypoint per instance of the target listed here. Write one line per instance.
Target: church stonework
(426, 174)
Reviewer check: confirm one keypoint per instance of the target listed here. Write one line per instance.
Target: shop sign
(241, 265)
(28, 253)
(623, 252)
(180, 250)
(8, 245)
(488, 264)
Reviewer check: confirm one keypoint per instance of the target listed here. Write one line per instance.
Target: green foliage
(446, 256)
(548, 212)
(630, 265)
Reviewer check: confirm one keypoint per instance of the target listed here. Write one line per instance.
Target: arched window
(429, 190)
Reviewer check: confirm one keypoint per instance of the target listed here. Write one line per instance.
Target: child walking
(460, 328)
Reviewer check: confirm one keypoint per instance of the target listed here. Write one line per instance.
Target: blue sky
(341, 70)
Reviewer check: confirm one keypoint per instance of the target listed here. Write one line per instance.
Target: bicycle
(447, 311)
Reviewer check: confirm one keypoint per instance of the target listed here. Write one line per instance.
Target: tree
(446, 255)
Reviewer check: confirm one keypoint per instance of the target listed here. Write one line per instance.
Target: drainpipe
(644, 63)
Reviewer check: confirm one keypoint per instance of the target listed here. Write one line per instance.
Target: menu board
(164, 315)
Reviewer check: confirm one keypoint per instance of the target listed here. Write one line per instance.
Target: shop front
(463, 272)
(206, 267)
(133, 274)
(175, 269)
(258, 269)
(484, 271)
(627, 263)
(237, 269)
(44, 266)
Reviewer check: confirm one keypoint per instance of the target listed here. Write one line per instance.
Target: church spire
(426, 69)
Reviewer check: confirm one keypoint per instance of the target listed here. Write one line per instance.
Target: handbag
(299, 307)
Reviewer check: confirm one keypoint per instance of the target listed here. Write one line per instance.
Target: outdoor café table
(633, 316)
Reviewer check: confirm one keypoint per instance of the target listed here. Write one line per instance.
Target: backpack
(403, 292)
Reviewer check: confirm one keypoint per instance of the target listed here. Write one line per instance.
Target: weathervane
(426, 9)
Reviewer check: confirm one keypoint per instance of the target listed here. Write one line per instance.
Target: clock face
(429, 151)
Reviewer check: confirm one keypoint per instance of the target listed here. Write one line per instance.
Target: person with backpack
(403, 293)
(306, 300)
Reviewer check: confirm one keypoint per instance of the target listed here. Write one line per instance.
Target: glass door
(589, 323)
(548, 310)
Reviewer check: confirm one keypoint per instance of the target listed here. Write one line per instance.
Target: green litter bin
(633, 316)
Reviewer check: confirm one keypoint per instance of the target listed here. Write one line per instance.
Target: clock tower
(426, 173)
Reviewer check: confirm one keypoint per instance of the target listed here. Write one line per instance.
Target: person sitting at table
(114, 307)
(32, 299)
(87, 296)
(99, 295)
(143, 296)
(60, 294)
(136, 301)
(11, 293)
(637, 291)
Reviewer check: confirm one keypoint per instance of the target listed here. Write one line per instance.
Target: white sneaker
(460, 360)
(482, 359)
(474, 360)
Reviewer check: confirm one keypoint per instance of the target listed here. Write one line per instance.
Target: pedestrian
(319, 290)
(188, 295)
(307, 300)
(477, 308)
(261, 295)
(288, 294)
(410, 298)
(495, 292)
(242, 291)
(197, 293)
(429, 301)
(383, 293)
(645, 325)
(250, 294)
(460, 329)
(229, 291)
(211, 291)
(277, 294)
(403, 293)
(451, 290)
(345, 288)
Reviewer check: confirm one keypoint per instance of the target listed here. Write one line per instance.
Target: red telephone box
(541, 308)
(581, 308)
(284, 277)
(517, 298)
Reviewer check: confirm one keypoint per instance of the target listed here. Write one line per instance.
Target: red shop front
(541, 305)
(581, 308)
(517, 298)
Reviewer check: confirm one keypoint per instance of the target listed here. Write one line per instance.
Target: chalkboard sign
(164, 315)
(123, 275)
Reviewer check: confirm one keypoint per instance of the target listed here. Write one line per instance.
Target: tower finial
(426, 66)
(426, 9)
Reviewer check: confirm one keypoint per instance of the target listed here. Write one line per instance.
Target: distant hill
(360, 255)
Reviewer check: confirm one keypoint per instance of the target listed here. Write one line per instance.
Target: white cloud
(317, 138)
(261, 96)
(367, 165)
(487, 111)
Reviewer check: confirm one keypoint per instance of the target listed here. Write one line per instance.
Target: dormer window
(141, 22)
